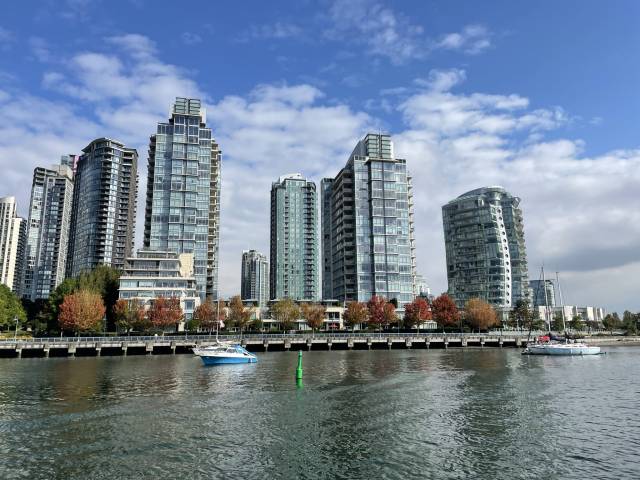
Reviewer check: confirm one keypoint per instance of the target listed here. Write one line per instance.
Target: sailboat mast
(564, 325)
(546, 300)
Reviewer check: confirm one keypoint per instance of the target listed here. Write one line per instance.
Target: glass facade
(104, 206)
(367, 226)
(539, 297)
(182, 212)
(485, 248)
(254, 284)
(294, 239)
(48, 230)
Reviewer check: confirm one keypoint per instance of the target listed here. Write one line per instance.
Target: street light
(15, 337)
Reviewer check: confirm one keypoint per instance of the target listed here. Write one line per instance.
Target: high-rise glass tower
(254, 283)
(543, 294)
(104, 206)
(294, 239)
(46, 249)
(182, 213)
(12, 238)
(484, 240)
(367, 226)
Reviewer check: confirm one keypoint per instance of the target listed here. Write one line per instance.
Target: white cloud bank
(582, 214)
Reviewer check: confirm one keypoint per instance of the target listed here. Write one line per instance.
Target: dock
(171, 345)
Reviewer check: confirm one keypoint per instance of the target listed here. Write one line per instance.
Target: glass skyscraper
(367, 226)
(50, 213)
(254, 283)
(182, 213)
(484, 240)
(294, 239)
(104, 206)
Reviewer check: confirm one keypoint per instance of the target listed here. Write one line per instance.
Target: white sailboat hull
(562, 349)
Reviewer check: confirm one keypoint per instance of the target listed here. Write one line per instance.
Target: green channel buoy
(299, 369)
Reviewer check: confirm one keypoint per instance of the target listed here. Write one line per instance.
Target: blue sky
(540, 97)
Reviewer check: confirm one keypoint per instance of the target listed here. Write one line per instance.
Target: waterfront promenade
(155, 345)
(159, 345)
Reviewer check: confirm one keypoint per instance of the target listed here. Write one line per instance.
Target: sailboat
(546, 345)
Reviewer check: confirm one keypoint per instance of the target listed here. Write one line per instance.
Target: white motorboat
(224, 353)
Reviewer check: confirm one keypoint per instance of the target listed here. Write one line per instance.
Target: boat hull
(227, 360)
(559, 350)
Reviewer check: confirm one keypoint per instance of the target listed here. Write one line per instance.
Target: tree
(204, 316)
(389, 313)
(375, 305)
(104, 280)
(285, 312)
(10, 309)
(67, 287)
(165, 312)
(82, 311)
(416, 313)
(630, 322)
(480, 314)
(576, 323)
(313, 315)
(522, 316)
(239, 316)
(610, 323)
(445, 312)
(356, 313)
(128, 315)
(558, 322)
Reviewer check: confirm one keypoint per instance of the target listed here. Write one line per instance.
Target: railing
(274, 336)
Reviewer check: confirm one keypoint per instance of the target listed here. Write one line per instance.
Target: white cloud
(473, 39)
(190, 38)
(278, 31)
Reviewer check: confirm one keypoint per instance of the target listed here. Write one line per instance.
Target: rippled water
(384, 414)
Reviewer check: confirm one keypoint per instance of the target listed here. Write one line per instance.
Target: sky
(539, 97)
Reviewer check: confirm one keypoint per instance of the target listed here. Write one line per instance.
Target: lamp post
(15, 337)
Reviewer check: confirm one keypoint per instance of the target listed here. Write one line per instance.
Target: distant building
(47, 232)
(104, 206)
(421, 288)
(155, 274)
(542, 296)
(294, 239)
(182, 212)
(367, 226)
(254, 285)
(12, 238)
(485, 247)
(587, 314)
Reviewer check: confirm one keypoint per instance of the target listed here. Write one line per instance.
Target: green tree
(576, 323)
(10, 309)
(523, 316)
(611, 323)
(356, 313)
(129, 315)
(558, 323)
(630, 322)
(285, 312)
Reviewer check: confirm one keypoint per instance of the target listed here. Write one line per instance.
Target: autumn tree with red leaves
(165, 312)
(376, 307)
(82, 311)
(313, 314)
(416, 313)
(445, 312)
